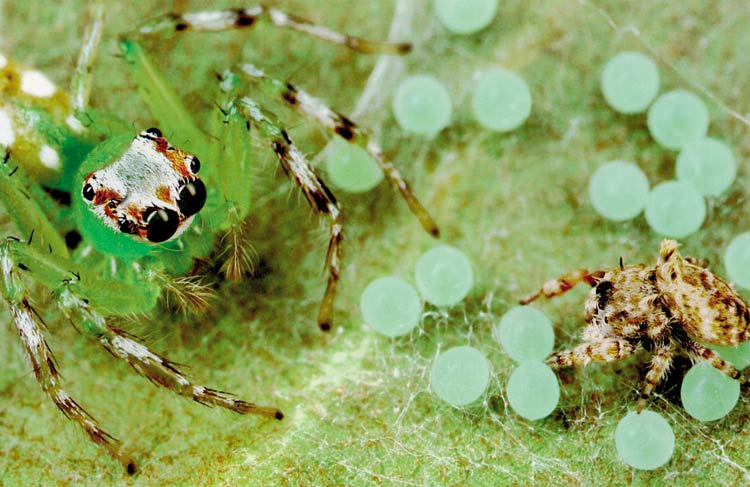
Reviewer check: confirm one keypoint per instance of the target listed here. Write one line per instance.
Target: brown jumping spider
(675, 303)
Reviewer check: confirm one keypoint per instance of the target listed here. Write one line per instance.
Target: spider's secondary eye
(161, 224)
(154, 131)
(195, 165)
(88, 192)
(192, 197)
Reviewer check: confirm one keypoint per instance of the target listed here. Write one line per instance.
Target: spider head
(150, 192)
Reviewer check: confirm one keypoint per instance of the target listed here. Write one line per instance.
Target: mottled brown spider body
(676, 303)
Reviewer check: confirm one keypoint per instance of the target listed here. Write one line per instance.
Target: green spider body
(104, 252)
(52, 149)
(139, 215)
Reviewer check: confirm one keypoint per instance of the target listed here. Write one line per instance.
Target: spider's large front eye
(154, 131)
(88, 192)
(161, 223)
(192, 197)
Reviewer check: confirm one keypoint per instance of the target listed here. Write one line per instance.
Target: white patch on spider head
(35, 83)
(3, 61)
(49, 157)
(142, 178)
(7, 135)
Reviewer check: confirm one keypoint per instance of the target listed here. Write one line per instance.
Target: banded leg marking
(341, 126)
(563, 284)
(661, 361)
(608, 350)
(152, 366)
(245, 18)
(29, 326)
(696, 350)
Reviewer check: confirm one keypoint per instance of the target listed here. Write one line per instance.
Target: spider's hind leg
(246, 18)
(341, 126)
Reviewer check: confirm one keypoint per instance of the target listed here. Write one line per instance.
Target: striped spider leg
(245, 18)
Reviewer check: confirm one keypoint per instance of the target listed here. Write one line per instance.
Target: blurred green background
(359, 409)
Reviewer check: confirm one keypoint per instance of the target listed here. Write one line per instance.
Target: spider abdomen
(710, 309)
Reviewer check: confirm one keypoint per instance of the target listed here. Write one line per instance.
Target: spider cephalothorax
(151, 191)
(676, 303)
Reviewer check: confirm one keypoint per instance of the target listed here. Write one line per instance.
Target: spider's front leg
(604, 350)
(341, 126)
(29, 325)
(661, 360)
(75, 296)
(245, 18)
(156, 368)
(698, 351)
(321, 198)
(565, 283)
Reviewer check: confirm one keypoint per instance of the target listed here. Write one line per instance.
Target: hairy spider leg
(321, 198)
(607, 350)
(156, 368)
(563, 284)
(219, 20)
(168, 109)
(697, 351)
(74, 299)
(661, 361)
(29, 326)
(245, 18)
(343, 127)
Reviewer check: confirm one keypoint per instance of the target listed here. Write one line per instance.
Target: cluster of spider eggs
(705, 167)
(392, 307)
(422, 105)
(527, 336)
(501, 102)
(677, 120)
(619, 191)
